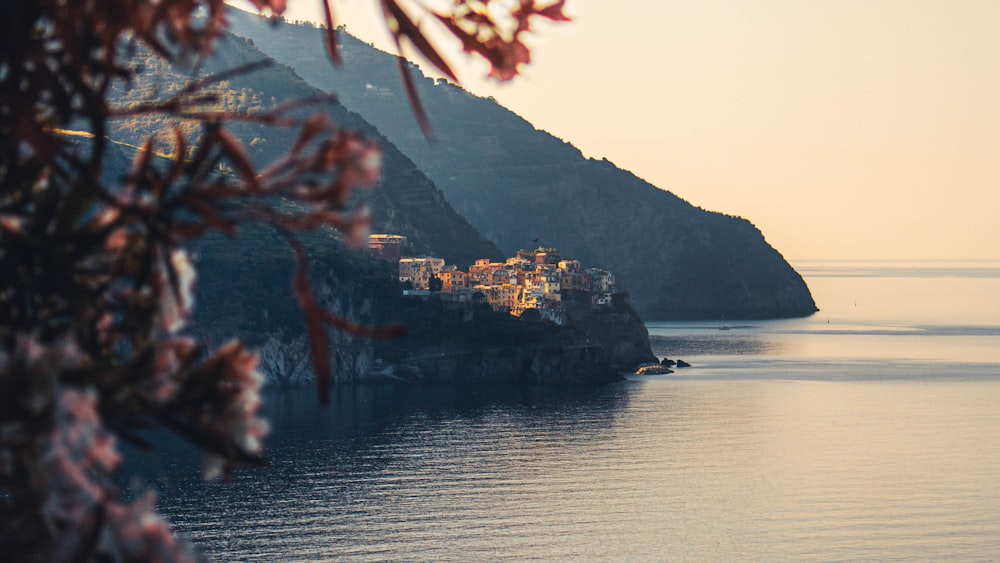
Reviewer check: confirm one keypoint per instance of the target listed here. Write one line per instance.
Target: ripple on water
(642, 471)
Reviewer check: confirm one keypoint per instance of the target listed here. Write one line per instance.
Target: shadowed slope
(516, 184)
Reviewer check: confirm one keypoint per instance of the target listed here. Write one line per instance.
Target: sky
(848, 129)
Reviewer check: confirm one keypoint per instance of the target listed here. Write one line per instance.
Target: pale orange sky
(842, 129)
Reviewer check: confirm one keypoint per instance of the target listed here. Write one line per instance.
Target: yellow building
(419, 271)
(569, 266)
(482, 271)
(453, 280)
(551, 288)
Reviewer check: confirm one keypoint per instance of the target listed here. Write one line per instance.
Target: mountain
(243, 290)
(244, 283)
(521, 187)
(405, 202)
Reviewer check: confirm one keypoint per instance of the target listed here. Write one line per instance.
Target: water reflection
(865, 432)
(386, 464)
(362, 419)
(813, 269)
(688, 470)
(680, 346)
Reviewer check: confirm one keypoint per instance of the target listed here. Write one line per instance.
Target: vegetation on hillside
(405, 202)
(517, 185)
(97, 284)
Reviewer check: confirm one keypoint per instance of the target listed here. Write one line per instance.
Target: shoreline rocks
(653, 369)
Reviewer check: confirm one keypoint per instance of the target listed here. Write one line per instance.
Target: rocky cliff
(450, 343)
(516, 184)
(243, 290)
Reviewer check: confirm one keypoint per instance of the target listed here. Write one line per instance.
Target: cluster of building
(531, 280)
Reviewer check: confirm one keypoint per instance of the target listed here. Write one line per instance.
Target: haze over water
(894, 315)
(871, 436)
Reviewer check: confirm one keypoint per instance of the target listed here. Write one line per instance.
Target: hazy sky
(842, 129)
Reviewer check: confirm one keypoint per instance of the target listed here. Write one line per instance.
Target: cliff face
(532, 364)
(453, 344)
(516, 184)
(244, 284)
(243, 290)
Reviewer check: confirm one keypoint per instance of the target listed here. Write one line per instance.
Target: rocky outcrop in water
(653, 369)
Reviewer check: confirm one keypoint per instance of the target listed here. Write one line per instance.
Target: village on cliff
(532, 280)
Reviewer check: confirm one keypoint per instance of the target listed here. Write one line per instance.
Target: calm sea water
(870, 431)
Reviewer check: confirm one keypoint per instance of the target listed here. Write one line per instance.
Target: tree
(435, 283)
(532, 315)
(96, 283)
(619, 300)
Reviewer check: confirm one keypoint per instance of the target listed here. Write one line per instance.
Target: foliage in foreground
(96, 284)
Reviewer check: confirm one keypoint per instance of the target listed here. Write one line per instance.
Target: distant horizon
(896, 259)
(840, 131)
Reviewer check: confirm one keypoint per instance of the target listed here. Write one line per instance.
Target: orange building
(453, 280)
(482, 271)
(502, 298)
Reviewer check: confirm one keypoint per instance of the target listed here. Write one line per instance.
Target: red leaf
(276, 6)
(331, 34)
(313, 126)
(211, 218)
(239, 157)
(406, 28)
(414, 98)
(389, 331)
(180, 149)
(227, 74)
(141, 162)
(554, 12)
(314, 325)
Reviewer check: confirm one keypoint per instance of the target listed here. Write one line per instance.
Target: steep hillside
(243, 290)
(244, 284)
(516, 185)
(405, 202)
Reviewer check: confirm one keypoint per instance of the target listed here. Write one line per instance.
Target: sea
(868, 431)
